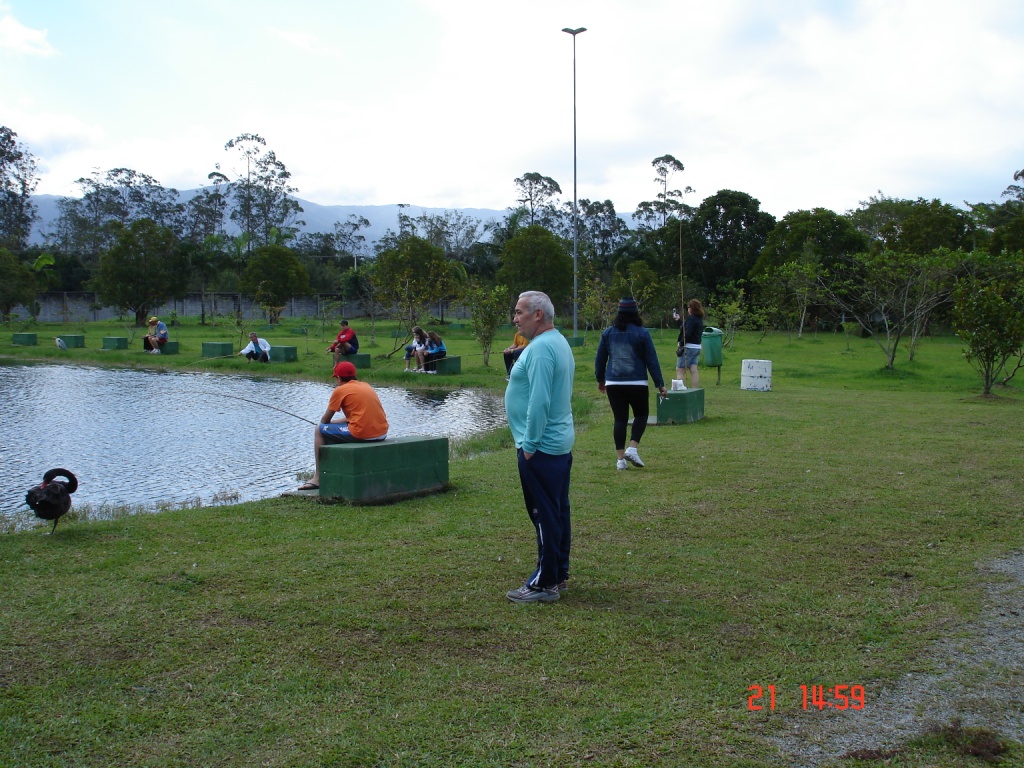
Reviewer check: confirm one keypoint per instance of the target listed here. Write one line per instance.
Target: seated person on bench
(419, 341)
(156, 337)
(513, 352)
(362, 417)
(346, 343)
(435, 351)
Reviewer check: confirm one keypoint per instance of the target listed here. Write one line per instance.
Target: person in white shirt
(258, 349)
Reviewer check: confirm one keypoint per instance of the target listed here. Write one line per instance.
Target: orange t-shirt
(360, 404)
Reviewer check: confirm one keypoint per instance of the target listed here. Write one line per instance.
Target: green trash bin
(711, 347)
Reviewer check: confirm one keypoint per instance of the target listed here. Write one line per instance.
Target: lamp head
(574, 32)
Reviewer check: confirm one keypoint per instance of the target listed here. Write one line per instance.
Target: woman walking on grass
(625, 355)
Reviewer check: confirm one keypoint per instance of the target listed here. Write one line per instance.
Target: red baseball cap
(344, 370)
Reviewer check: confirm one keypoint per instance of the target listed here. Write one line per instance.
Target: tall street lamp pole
(575, 214)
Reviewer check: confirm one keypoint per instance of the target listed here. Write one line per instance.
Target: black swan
(52, 498)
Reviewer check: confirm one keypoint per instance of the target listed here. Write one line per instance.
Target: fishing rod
(256, 402)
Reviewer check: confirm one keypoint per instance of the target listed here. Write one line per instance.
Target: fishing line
(256, 402)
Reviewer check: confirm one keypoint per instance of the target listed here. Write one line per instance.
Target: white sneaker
(621, 464)
(633, 457)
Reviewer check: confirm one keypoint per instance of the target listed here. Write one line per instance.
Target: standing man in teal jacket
(538, 402)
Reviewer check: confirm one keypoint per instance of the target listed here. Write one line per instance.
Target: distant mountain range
(318, 218)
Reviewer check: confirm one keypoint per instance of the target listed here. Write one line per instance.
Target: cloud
(18, 39)
(444, 103)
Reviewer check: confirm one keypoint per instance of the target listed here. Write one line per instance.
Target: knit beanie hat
(628, 307)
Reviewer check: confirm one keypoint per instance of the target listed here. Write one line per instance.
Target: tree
(819, 232)
(598, 305)
(455, 233)
(486, 256)
(913, 226)
(729, 306)
(204, 215)
(408, 277)
(490, 310)
(535, 193)
(359, 283)
(889, 293)
(261, 192)
(1009, 237)
(18, 286)
(18, 181)
(1007, 219)
(46, 276)
(654, 213)
(535, 260)
(142, 270)
(124, 195)
(987, 320)
(786, 292)
(272, 276)
(731, 230)
(602, 233)
(798, 247)
(205, 261)
(640, 282)
(90, 225)
(347, 238)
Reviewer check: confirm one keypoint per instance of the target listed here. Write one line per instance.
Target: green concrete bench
(574, 341)
(217, 348)
(359, 360)
(73, 340)
(279, 354)
(683, 406)
(115, 342)
(447, 366)
(168, 348)
(385, 471)
(25, 339)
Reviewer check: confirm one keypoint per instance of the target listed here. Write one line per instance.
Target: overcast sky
(443, 103)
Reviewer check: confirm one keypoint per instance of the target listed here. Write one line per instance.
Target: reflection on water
(165, 437)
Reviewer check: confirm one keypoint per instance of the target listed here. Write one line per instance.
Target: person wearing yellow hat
(156, 337)
(362, 417)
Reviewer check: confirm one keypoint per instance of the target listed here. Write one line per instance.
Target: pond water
(152, 439)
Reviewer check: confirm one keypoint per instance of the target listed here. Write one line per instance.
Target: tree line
(892, 268)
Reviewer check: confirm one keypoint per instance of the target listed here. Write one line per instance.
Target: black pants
(622, 398)
(429, 363)
(262, 356)
(510, 360)
(545, 481)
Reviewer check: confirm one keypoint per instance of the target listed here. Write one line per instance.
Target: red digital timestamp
(813, 697)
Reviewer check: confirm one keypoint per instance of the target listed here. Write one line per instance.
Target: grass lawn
(824, 533)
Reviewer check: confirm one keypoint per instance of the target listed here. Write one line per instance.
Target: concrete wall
(83, 307)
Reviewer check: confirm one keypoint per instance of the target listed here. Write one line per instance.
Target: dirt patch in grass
(972, 683)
